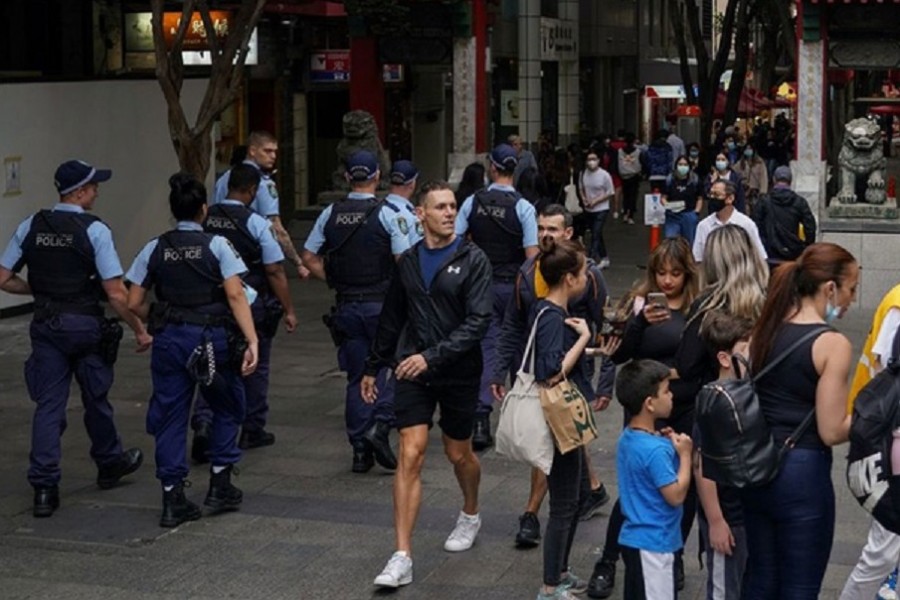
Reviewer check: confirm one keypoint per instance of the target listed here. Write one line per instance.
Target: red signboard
(195, 37)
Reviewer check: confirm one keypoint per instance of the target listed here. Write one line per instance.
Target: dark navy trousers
(503, 293)
(357, 323)
(63, 346)
(173, 393)
(256, 388)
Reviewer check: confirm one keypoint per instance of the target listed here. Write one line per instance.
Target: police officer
(196, 279)
(503, 224)
(72, 266)
(252, 237)
(262, 153)
(352, 246)
(403, 184)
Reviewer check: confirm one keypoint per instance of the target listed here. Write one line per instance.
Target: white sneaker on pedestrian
(616, 215)
(604, 263)
(630, 221)
(397, 572)
(463, 535)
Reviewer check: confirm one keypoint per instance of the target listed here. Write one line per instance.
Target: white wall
(119, 125)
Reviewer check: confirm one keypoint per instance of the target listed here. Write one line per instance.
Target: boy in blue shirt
(654, 471)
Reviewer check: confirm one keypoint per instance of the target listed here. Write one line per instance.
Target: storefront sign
(334, 66)
(559, 40)
(195, 36)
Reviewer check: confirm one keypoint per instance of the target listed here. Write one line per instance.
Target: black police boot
(481, 435)
(603, 580)
(529, 534)
(46, 500)
(128, 462)
(177, 509)
(363, 460)
(200, 445)
(222, 494)
(255, 438)
(378, 438)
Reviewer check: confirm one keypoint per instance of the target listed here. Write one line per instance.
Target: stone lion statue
(862, 156)
(360, 133)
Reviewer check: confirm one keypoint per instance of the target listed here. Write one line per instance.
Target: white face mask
(593, 164)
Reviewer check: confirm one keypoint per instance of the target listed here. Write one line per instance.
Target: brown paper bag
(567, 413)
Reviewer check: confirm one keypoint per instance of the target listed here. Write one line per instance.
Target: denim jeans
(597, 251)
(683, 224)
(790, 528)
(567, 486)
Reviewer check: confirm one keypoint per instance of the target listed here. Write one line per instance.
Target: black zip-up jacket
(444, 323)
(778, 215)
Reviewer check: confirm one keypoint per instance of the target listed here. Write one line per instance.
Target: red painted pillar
(479, 26)
(366, 80)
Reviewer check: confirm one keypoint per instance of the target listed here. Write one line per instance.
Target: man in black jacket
(779, 216)
(437, 309)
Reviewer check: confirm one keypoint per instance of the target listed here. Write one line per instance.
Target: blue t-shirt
(644, 464)
(432, 259)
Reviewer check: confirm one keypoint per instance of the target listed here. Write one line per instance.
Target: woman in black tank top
(790, 521)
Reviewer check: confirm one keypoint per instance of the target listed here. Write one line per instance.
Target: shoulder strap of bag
(529, 347)
(781, 357)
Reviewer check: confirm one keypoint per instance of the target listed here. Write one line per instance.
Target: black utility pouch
(111, 333)
(237, 346)
(336, 335)
(271, 319)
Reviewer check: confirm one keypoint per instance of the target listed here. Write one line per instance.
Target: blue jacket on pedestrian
(658, 159)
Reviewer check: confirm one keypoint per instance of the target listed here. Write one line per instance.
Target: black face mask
(715, 204)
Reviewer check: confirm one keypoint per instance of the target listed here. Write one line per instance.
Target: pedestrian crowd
(442, 300)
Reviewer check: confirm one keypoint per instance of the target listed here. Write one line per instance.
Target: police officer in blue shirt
(403, 184)
(353, 246)
(196, 280)
(503, 224)
(262, 154)
(251, 236)
(72, 266)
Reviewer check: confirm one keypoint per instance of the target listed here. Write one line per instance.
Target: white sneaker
(604, 263)
(397, 572)
(615, 215)
(463, 535)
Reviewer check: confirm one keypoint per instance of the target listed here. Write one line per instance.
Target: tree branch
(677, 16)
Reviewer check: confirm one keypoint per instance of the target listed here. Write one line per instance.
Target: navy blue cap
(73, 174)
(782, 173)
(362, 166)
(504, 157)
(403, 172)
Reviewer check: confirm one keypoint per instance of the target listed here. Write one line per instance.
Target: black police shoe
(378, 438)
(481, 435)
(363, 460)
(177, 509)
(200, 444)
(255, 438)
(529, 534)
(603, 580)
(128, 462)
(223, 495)
(46, 500)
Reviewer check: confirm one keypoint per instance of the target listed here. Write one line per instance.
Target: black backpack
(875, 416)
(736, 443)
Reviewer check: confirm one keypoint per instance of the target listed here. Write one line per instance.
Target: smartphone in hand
(658, 301)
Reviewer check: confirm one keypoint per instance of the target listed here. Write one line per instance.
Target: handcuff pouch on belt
(111, 333)
(237, 346)
(337, 336)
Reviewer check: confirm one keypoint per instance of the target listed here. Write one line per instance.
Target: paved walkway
(308, 528)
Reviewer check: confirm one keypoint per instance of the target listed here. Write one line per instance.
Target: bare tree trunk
(741, 57)
(193, 143)
(676, 12)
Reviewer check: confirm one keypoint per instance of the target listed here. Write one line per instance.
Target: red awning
(885, 109)
(748, 105)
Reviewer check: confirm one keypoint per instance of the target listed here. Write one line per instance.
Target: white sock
(218, 469)
(469, 517)
(168, 488)
(402, 553)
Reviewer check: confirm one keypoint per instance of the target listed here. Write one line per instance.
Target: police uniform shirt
(407, 219)
(399, 240)
(230, 262)
(261, 231)
(105, 257)
(524, 211)
(266, 201)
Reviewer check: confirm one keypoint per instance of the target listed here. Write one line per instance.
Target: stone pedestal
(885, 211)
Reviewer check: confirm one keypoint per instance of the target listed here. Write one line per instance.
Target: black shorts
(414, 404)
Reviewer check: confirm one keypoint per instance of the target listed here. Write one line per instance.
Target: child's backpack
(875, 417)
(737, 448)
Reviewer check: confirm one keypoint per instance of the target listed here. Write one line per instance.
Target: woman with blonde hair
(659, 306)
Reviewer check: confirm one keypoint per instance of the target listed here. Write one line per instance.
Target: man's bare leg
(408, 483)
(467, 469)
(538, 491)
